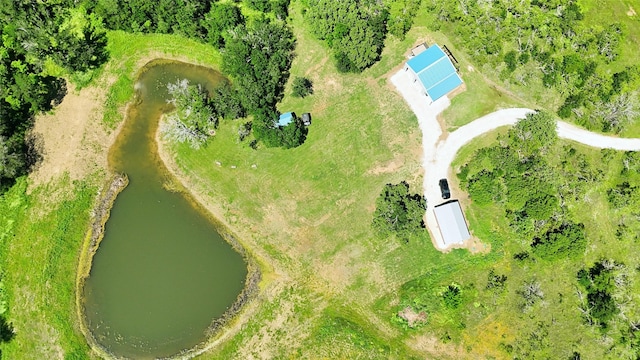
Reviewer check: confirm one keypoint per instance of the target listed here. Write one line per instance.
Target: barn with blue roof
(435, 72)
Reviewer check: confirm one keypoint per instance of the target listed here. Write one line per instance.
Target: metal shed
(306, 119)
(435, 71)
(451, 222)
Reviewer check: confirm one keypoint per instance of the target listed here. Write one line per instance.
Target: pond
(162, 272)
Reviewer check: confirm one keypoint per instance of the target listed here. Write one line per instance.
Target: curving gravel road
(440, 147)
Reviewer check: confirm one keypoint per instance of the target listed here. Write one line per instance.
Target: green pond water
(162, 273)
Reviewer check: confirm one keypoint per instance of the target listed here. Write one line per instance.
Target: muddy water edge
(162, 278)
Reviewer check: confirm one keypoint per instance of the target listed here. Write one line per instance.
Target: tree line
(40, 40)
(356, 29)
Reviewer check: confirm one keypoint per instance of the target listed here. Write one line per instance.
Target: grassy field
(42, 232)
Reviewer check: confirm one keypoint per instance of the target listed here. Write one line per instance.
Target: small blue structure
(286, 119)
(435, 71)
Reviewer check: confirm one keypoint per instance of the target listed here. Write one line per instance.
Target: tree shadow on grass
(6, 331)
(34, 151)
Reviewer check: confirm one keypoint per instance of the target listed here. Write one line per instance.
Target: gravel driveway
(440, 146)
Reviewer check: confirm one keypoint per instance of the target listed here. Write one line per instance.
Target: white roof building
(451, 222)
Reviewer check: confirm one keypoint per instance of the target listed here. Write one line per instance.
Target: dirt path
(440, 147)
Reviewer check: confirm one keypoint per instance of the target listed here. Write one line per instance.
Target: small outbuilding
(435, 71)
(451, 222)
(286, 119)
(306, 119)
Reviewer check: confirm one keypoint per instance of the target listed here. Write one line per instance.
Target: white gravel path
(440, 150)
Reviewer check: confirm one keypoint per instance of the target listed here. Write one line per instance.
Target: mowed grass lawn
(41, 232)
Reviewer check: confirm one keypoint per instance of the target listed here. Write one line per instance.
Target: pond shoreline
(254, 270)
(104, 202)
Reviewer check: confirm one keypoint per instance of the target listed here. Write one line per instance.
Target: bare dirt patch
(390, 167)
(413, 317)
(73, 138)
(631, 12)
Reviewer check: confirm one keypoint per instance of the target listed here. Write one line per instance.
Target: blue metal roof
(435, 71)
(285, 119)
(425, 58)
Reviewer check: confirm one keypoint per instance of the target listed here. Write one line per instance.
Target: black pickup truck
(444, 189)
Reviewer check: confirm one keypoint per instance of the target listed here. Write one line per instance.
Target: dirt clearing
(71, 138)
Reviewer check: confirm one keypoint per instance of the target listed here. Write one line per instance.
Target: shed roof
(451, 222)
(285, 119)
(435, 71)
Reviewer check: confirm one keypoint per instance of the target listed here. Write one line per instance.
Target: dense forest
(545, 43)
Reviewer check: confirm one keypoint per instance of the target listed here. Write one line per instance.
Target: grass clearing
(42, 235)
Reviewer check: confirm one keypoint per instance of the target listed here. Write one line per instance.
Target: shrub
(302, 87)
(452, 296)
(566, 241)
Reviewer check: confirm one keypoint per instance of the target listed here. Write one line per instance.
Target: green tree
(160, 16)
(401, 14)
(355, 29)
(484, 188)
(452, 296)
(260, 5)
(623, 195)
(302, 87)
(258, 58)
(227, 102)
(535, 133)
(11, 164)
(599, 281)
(194, 118)
(221, 18)
(510, 59)
(398, 212)
(280, 8)
(541, 207)
(566, 241)
(294, 134)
